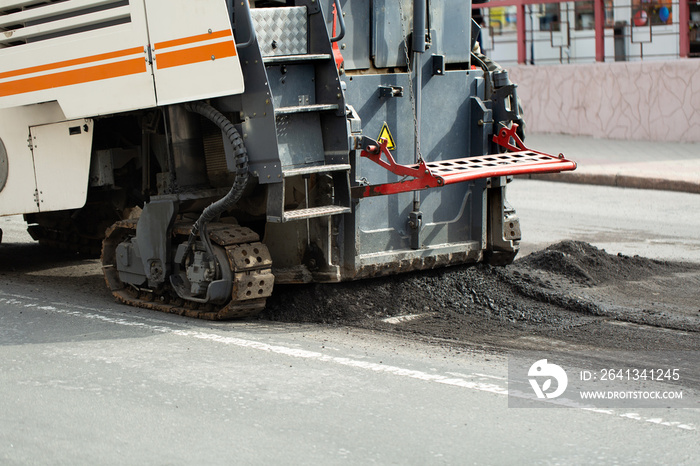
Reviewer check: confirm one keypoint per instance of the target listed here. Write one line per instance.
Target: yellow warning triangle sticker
(386, 134)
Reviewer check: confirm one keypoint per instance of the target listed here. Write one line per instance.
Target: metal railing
(550, 31)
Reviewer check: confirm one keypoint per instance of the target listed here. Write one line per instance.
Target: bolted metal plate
(3, 166)
(249, 257)
(233, 234)
(281, 31)
(253, 285)
(511, 227)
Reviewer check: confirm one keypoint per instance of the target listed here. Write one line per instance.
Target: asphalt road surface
(659, 225)
(87, 381)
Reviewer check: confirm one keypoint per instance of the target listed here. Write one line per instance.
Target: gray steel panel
(451, 23)
(363, 94)
(448, 216)
(281, 31)
(299, 139)
(451, 214)
(445, 123)
(355, 45)
(292, 85)
(388, 33)
(446, 114)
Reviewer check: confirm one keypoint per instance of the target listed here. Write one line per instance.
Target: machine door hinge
(390, 91)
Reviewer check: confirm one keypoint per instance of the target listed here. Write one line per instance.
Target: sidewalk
(628, 164)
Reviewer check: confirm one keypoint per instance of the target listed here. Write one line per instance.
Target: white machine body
(63, 63)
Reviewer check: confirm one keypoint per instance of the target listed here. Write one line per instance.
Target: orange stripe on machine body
(117, 69)
(195, 55)
(73, 62)
(193, 39)
(69, 78)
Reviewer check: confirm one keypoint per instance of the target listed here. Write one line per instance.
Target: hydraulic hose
(241, 162)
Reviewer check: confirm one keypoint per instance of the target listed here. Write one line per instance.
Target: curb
(620, 181)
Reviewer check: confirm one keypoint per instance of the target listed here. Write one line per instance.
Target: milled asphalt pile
(553, 290)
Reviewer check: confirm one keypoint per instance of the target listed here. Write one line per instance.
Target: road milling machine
(213, 148)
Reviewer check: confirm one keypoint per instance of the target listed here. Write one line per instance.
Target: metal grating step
(312, 212)
(306, 109)
(437, 174)
(510, 163)
(271, 60)
(315, 169)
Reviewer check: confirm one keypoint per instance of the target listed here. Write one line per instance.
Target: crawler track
(249, 261)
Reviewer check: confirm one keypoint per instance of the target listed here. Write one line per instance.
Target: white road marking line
(90, 313)
(476, 374)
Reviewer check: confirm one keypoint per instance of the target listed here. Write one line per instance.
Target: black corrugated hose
(241, 161)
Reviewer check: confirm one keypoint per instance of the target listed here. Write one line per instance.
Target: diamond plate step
(281, 31)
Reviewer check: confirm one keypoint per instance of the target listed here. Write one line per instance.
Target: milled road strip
(96, 314)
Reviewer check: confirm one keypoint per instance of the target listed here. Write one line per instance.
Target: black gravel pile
(585, 264)
(541, 293)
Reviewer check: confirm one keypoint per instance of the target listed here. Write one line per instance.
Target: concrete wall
(648, 101)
